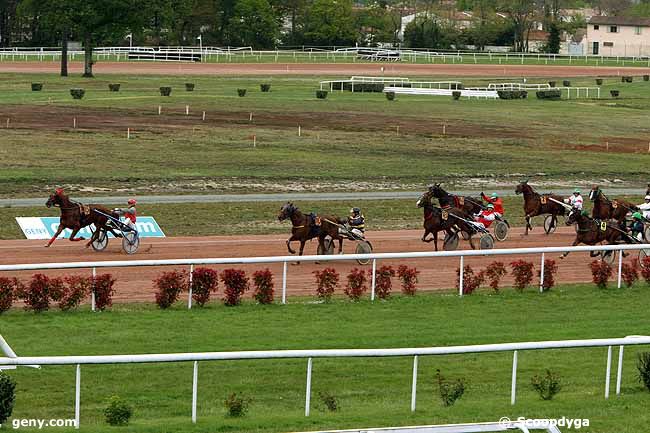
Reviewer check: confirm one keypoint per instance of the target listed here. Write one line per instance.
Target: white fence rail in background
(374, 257)
(333, 353)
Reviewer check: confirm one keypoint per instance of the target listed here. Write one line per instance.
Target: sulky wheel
(451, 242)
(363, 247)
(130, 242)
(101, 242)
(608, 257)
(550, 224)
(646, 233)
(642, 255)
(487, 241)
(327, 249)
(501, 231)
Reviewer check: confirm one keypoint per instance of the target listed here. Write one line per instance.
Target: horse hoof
(47, 245)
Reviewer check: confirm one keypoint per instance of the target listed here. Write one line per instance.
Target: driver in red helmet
(129, 213)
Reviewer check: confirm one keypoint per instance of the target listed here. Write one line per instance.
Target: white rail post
(541, 275)
(195, 383)
(619, 372)
(284, 283)
(460, 277)
(189, 298)
(77, 397)
(620, 266)
(609, 369)
(414, 384)
(92, 293)
(513, 387)
(308, 390)
(374, 279)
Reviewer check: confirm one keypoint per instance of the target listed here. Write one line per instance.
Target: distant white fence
(331, 353)
(467, 93)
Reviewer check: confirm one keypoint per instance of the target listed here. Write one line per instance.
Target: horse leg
(74, 233)
(424, 236)
(289, 245)
(56, 235)
(574, 244)
(435, 240)
(340, 245)
(528, 225)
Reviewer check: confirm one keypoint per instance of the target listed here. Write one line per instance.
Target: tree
(7, 21)
(521, 13)
(374, 22)
(553, 44)
(427, 32)
(329, 22)
(253, 23)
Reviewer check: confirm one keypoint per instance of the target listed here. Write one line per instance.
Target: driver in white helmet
(645, 207)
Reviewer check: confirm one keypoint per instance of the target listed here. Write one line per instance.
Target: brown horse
(539, 204)
(604, 208)
(594, 231)
(469, 205)
(449, 220)
(306, 227)
(75, 216)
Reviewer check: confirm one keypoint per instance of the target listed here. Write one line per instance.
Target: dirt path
(134, 284)
(346, 69)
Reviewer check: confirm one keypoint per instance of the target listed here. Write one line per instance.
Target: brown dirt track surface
(135, 284)
(465, 70)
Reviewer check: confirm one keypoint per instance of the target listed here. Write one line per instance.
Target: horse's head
(286, 211)
(522, 187)
(55, 199)
(574, 216)
(594, 193)
(436, 190)
(425, 200)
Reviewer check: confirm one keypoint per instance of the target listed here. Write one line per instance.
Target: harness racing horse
(539, 204)
(594, 231)
(437, 220)
(469, 205)
(306, 227)
(75, 216)
(604, 208)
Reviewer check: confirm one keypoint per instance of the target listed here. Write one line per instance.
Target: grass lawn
(348, 142)
(371, 392)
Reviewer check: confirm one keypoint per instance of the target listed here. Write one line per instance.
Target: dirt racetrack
(135, 284)
(449, 70)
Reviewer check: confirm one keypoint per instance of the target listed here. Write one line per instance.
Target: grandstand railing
(11, 360)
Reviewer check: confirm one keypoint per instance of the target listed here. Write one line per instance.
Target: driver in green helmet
(636, 226)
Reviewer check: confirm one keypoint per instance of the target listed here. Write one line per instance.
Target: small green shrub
(643, 365)
(189, 87)
(330, 401)
(449, 390)
(599, 81)
(646, 78)
(626, 79)
(241, 92)
(552, 83)
(165, 91)
(549, 94)
(456, 95)
(236, 405)
(37, 87)
(77, 93)
(265, 87)
(114, 87)
(321, 94)
(547, 385)
(118, 412)
(614, 93)
(7, 396)
(390, 96)
(566, 83)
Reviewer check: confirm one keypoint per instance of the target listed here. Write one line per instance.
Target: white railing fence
(374, 258)
(310, 355)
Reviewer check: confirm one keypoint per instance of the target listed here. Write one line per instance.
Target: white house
(618, 36)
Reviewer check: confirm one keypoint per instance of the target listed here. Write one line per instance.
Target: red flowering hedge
(493, 273)
(103, 287)
(77, 288)
(408, 278)
(356, 285)
(383, 281)
(263, 282)
(169, 286)
(645, 270)
(523, 273)
(40, 290)
(601, 272)
(326, 282)
(471, 281)
(550, 269)
(9, 288)
(205, 281)
(630, 272)
(236, 283)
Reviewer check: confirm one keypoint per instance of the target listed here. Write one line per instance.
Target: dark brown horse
(539, 204)
(306, 227)
(604, 208)
(75, 216)
(449, 220)
(469, 205)
(594, 231)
